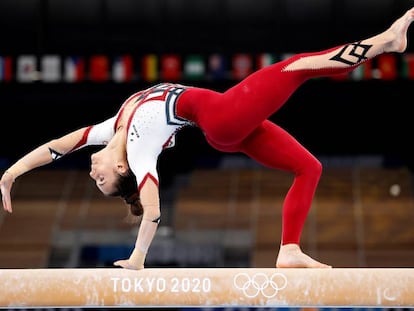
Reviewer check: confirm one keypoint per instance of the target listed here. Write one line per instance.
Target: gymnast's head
(114, 178)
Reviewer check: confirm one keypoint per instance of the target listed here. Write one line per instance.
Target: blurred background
(70, 63)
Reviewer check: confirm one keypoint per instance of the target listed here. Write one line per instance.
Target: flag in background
(149, 64)
(407, 66)
(51, 68)
(27, 68)
(217, 66)
(170, 67)
(74, 69)
(122, 68)
(264, 60)
(194, 67)
(99, 68)
(242, 65)
(6, 68)
(387, 66)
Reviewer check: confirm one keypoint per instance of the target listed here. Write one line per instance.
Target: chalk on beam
(214, 287)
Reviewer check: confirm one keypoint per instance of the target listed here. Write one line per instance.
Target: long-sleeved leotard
(235, 121)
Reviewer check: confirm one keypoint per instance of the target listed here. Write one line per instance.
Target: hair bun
(135, 204)
(133, 198)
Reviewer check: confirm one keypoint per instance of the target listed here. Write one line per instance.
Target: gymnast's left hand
(6, 183)
(127, 264)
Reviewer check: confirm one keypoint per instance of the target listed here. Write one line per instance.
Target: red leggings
(236, 121)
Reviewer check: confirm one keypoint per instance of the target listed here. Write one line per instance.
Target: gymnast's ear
(122, 168)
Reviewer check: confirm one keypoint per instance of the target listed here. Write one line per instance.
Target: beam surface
(214, 287)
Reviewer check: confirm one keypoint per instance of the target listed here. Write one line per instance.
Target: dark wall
(328, 117)
(189, 25)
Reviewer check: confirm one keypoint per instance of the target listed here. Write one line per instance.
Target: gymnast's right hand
(127, 264)
(6, 183)
(134, 262)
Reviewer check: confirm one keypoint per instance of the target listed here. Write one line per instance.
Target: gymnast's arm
(40, 156)
(97, 134)
(149, 195)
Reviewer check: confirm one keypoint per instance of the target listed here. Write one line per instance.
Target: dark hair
(127, 188)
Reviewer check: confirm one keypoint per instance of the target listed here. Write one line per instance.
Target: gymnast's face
(104, 171)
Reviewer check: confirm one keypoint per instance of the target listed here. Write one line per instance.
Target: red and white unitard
(233, 121)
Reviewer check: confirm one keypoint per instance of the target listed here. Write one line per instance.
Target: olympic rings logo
(260, 283)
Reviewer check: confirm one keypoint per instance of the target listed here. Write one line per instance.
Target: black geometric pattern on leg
(358, 50)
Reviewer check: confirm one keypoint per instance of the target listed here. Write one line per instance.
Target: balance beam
(214, 287)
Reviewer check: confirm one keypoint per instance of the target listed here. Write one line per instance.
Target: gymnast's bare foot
(291, 256)
(396, 35)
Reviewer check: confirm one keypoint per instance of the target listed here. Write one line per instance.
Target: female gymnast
(233, 121)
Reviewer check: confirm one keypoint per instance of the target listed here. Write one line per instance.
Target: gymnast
(233, 121)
